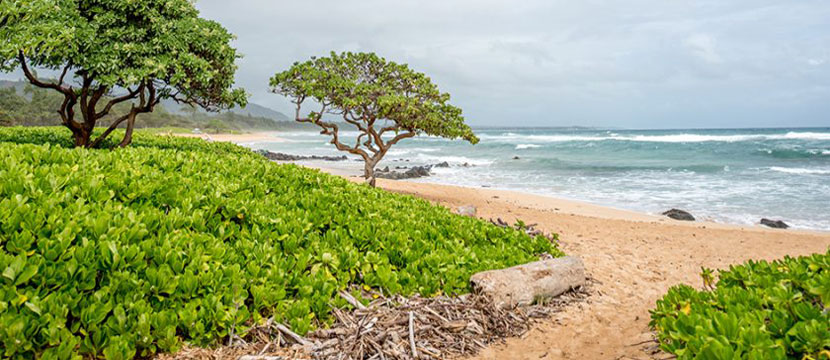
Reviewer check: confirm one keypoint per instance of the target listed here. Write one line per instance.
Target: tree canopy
(385, 101)
(119, 51)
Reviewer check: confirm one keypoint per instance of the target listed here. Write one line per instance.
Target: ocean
(735, 176)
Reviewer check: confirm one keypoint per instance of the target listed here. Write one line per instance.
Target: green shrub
(759, 310)
(129, 252)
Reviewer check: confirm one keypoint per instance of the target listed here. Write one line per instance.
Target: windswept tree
(108, 52)
(385, 101)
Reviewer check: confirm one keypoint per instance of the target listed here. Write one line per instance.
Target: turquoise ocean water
(727, 175)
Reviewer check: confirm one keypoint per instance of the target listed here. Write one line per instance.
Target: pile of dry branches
(426, 328)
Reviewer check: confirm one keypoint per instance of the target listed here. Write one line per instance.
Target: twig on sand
(351, 300)
(643, 342)
(412, 335)
(297, 338)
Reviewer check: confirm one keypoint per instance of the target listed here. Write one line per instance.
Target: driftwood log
(527, 284)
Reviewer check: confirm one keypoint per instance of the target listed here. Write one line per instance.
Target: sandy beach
(235, 138)
(633, 259)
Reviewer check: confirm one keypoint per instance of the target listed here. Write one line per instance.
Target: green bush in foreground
(759, 310)
(129, 252)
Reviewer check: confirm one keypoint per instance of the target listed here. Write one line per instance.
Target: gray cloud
(637, 63)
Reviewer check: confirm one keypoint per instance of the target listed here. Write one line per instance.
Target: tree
(385, 101)
(10, 105)
(116, 51)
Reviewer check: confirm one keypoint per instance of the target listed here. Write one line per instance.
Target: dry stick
(643, 342)
(297, 338)
(412, 335)
(351, 300)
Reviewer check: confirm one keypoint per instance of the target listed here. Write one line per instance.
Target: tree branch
(328, 129)
(36, 82)
(130, 95)
(112, 127)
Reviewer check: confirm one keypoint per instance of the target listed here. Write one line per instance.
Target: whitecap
(673, 138)
(527, 146)
(799, 170)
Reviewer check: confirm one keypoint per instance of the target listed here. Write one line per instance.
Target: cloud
(637, 63)
(704, 47)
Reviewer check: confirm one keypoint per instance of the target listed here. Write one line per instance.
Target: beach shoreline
(351, 170)
(240, 139)
(551, 203)
(632, 258)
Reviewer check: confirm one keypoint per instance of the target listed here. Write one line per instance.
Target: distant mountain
(252, 109)
(17, 85)
(20, 108)
(262, 111)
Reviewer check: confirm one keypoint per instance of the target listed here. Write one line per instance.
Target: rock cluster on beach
(275, 156)
(411, 173)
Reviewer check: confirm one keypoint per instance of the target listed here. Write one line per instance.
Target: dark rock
(515, 158)
(776, 224)
(413, 173)
(288, 157)
(678, 214)
(442, 165)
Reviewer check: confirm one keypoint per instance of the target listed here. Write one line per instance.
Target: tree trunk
(80, 136)
(369, 172)
(128, 134)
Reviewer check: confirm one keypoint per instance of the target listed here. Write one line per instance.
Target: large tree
(385, 101)
(107, 52)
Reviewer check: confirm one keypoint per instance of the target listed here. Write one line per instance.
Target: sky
(628, 64)
(623, 64)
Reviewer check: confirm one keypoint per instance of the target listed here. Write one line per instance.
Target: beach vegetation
(383, 101)
(109, 52)
(758, 310)
(116, 254)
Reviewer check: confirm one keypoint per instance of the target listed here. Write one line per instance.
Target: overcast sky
(629, 64)
(633, 64)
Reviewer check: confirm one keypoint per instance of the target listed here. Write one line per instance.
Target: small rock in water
(467, 210)
(678, 214)
(776, 224)
(442, 165)
(515, 158)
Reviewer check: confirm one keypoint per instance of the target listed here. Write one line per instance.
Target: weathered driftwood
(526, 284)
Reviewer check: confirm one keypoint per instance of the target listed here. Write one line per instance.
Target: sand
(632, 257)
(236, 138)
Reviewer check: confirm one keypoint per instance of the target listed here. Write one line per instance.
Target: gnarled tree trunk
(369, 172)
(87, 98)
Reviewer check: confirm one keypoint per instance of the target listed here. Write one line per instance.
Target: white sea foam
(453, 160)
(405, 151)
(800, 170)
(674, 138)
(527, 146)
